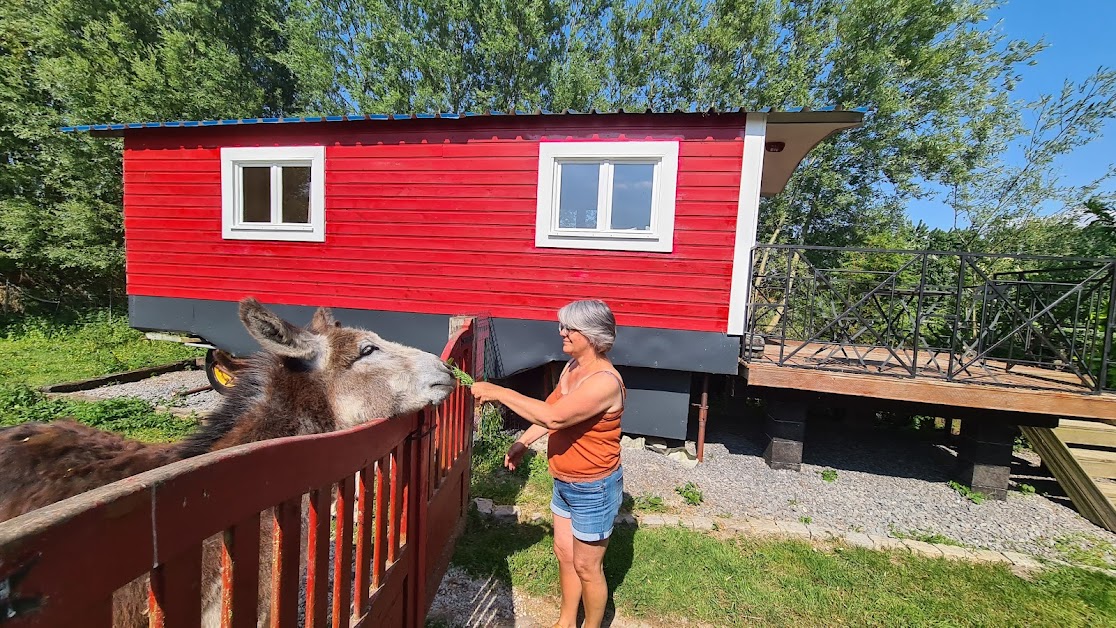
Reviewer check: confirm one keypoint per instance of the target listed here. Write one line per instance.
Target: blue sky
(1079, 38)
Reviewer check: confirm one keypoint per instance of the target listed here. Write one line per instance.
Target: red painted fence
(400, 487)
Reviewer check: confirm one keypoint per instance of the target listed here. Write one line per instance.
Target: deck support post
(785, 424)
(984, 456)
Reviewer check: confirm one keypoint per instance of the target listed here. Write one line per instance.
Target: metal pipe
(703, 416)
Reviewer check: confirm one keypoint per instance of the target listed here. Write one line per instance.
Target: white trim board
(747, 222)
(660, 238)
(232, 157)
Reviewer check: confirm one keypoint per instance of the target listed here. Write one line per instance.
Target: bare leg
(567, 575)
(589, 564)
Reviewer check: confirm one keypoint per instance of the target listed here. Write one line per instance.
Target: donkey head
(365, 377)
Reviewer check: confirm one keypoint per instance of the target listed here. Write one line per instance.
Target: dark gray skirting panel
(521, 344)
(658, 402)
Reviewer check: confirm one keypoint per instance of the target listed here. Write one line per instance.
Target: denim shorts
(591, 507)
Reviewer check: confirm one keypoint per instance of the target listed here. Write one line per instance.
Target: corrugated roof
(428, 116)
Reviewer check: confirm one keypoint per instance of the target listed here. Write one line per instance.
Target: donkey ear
(323, 320)
(275, 334)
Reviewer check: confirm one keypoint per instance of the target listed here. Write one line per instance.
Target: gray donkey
(306, 380)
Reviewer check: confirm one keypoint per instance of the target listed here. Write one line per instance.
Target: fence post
(1109, 329)
(480, 337)
(419, 460)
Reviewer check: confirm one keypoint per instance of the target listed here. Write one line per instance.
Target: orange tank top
(588, 450)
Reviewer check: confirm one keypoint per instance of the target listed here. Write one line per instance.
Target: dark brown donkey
(310, 380)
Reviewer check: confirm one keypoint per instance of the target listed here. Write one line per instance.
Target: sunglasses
(566, 328)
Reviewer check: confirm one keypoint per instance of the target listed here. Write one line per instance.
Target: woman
(582, 418)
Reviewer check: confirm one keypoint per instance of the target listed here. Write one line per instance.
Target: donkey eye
(367, 350)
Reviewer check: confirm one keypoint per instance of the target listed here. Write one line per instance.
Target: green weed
(974, 496)
(130, 417)
(691, 493)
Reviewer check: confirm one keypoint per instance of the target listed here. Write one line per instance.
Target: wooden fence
(214, 537)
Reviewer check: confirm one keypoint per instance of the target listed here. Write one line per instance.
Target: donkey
(305, 380)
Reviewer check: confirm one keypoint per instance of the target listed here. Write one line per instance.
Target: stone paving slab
(888, 543)
(956, 553)
(923, 548)
(859, 539)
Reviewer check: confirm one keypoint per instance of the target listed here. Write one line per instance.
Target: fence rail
(253, 523)
(1034, 321)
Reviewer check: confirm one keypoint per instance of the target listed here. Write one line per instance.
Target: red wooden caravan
(399, 222)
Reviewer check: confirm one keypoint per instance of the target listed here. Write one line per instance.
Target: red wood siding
(431, 218)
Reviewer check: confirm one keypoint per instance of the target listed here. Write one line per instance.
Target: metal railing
(1012, 320)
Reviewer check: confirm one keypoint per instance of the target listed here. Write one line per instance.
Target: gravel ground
(886, 483)
(164, 389)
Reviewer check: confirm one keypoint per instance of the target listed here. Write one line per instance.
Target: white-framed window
(616, 196)
(273, 193)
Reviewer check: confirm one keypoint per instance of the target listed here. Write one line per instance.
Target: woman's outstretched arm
(594, 396)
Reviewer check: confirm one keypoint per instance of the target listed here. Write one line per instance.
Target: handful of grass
(462, 376)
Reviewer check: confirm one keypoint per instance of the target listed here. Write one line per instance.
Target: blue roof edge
(81, 128)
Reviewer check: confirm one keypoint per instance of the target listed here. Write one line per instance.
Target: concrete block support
(984, 456)
(786, 431)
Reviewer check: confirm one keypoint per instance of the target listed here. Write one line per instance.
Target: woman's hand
(514, 455)
(486, 391)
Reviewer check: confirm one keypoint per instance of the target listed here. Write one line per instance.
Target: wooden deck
(881, 374)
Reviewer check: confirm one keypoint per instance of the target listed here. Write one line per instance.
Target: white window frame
(232, 162)
(660, 238)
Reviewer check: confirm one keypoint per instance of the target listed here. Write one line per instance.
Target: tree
(82, 61)
(998, 201)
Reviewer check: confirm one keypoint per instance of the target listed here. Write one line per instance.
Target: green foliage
(1086, 549)
(829, 475)
(464, 378)
(924, 536)
(1026, 489)
(48, 349)
(130, 417)
(690, 492)
(806, 520)
(974, 496)
(530, 484)
(42, 349)
(647, 503)
(82, 61)
(489, 477)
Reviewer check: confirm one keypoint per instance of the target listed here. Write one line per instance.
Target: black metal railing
(1013, 320)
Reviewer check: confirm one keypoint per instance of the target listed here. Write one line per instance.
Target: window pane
(577, 202)
(631, 196)
(296, 194)
(257, 194)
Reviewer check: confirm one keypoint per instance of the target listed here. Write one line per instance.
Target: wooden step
(1097, 463)
(1076, 432)
(1108, 489)
(1086, 493)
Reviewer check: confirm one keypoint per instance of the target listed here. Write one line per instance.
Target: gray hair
(594, 319)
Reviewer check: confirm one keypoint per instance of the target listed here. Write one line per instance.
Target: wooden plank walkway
(879, 374)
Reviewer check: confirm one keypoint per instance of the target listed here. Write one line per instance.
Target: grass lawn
(39, 350)
(666, 574)
(663, 574)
